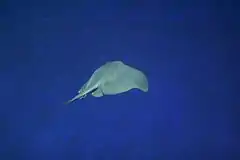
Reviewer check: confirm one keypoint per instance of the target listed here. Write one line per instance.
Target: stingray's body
(113, 78)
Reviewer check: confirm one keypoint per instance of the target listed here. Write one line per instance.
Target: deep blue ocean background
(187, 49)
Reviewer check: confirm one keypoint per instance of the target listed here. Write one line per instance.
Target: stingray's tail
(79, 96)
(68, 102)
(73, 99)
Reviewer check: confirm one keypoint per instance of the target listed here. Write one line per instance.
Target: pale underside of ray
(113, 78)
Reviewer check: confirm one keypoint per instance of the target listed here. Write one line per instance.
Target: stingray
(113, 78)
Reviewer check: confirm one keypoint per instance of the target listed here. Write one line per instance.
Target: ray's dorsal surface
(127, 78)
(113, 78)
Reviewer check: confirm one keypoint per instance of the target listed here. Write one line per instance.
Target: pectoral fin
(127, 78)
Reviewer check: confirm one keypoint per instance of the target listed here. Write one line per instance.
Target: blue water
(49, 50)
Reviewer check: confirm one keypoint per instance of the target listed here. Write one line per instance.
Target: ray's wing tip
(145, 90)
